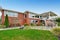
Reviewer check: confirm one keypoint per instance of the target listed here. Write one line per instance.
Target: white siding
(30, 15)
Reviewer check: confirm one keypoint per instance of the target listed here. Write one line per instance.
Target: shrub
(58, 19)
(25, 24)
(6, 23)
(32, 24)
(41, 24)
(2, 26)
(58, 23)
(56, 31)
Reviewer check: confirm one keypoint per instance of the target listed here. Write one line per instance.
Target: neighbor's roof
(47, 14)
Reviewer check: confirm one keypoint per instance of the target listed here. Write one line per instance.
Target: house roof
(11, 10)
(32, 12)
(43, 14)
(47, 14)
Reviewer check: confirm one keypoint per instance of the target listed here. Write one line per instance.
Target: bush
(6, 23)
(2, 26)
(32, 24)
(41, 24)
(25, 24)
(58, 19)
(58, 23)
(56, 31)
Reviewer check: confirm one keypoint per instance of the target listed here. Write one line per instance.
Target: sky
(36, 6)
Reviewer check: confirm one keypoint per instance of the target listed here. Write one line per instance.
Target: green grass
(30, 34)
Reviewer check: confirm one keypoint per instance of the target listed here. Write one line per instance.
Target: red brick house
(19, 18)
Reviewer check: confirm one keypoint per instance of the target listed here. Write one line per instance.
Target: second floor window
(41, 17)
(11, 14)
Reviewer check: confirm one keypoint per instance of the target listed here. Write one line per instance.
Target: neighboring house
(19, 18)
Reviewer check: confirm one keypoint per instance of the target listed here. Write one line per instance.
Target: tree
(58, 19)
(6, 21)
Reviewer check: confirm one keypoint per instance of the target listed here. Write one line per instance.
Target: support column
(27, 18)
(45, 23)
(2, 16)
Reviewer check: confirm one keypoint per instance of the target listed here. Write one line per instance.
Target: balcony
(50, 17)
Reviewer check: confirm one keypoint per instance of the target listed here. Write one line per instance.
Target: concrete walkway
(42, 28)
(35, 27)
(9, 28)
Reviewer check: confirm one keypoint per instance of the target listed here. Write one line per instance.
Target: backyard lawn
(18, 34)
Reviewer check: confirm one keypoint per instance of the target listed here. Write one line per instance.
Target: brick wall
(14, 20)
(28, 20)
(2, 16)
(21, 19)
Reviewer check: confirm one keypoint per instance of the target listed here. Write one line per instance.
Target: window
(11, 14)
(37, 16)
(33, 21)
(41, 17)
(31, 15)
